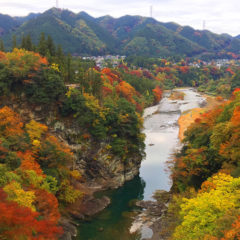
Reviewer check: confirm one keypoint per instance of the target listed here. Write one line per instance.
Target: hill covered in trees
(205, 203)
(129, 35)
(59, 128)
(65, 122)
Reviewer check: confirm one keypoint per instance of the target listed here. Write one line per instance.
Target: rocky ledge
(149, 222)
(86, 208)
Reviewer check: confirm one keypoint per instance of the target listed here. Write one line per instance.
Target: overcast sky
(220, 16)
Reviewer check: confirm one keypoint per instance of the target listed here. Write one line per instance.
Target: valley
(117, 128)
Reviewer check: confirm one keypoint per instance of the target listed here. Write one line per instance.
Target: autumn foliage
(22, 62)
(209, 162)
(157, 92)
(210, 213)
(10, 123)
(19, 222)
(29, 194)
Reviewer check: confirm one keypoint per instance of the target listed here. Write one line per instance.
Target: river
(161, 130)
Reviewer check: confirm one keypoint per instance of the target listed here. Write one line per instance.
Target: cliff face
(94, 160)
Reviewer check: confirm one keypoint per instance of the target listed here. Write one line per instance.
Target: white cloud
(221, 16)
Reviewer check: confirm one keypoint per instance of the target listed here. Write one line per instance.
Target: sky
(220, 16)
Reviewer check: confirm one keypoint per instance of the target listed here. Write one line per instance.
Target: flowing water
(161, 129)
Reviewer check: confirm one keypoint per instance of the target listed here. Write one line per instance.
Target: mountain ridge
(82, 34)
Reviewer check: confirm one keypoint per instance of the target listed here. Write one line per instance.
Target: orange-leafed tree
(157, 92)
(18, 222)
(126, 90)
(28, 162)
(10, 122)
(234, 232)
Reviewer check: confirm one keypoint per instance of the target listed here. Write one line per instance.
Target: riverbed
(161, 130)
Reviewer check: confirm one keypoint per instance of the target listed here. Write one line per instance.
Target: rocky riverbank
(154, 221)
(150, 221)
(88, 207)
(187, 118)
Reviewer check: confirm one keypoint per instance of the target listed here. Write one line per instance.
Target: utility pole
(204, 24)
(151, 11)
(57, 5)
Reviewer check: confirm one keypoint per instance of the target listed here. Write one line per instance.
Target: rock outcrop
(99, 167)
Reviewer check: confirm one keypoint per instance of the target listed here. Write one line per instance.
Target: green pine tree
(42, 46)
(28, 41)
(14, 42)
(23, 43)
(2, 46)
(69, 72)
(50, 46)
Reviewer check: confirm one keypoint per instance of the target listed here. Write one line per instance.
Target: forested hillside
(205, 173)
(207, 78)
(101, 112)
(66, 123)
(82, 34)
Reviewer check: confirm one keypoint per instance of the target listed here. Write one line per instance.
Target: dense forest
(107, 105)
(34, 163)
(178, 72)
(205, 173)
(82, 34)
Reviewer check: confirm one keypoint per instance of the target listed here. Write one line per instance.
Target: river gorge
(161, 130)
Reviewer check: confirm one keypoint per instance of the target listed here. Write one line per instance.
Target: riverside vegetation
(64, 122)
(40, 174)
(205, 172)
(206, 177)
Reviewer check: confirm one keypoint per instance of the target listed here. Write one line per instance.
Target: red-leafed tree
(47, 205)
(17, 222)
(157, 92)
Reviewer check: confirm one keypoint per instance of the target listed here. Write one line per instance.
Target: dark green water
(114, 222)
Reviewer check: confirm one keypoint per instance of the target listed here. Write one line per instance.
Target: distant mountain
(8, 24)
(129, 35)
(146, 36)
(28, 17)
(77, 33)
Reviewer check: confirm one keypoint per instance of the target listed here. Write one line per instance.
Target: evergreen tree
(60, 56)
(80, 77)
(59, 52)
(2, 46)
(28, 41)
(69, 70)
(14, 42)
(42, 48)
(96, 83)
(50, 46)
(23, 43)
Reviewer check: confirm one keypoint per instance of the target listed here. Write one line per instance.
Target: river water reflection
(161, 129)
